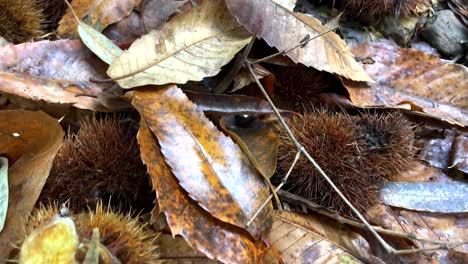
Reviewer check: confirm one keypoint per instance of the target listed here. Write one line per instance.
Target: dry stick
(300, 148)
(320, 210)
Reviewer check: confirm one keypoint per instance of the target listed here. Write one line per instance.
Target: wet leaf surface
(427, 83)
(204, 233)
(218, 176)
(53, 71)
(257, 141)
(30, 141)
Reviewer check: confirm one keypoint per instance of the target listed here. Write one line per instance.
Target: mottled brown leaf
(451, 228)
(276, 23)
(429, 84)
(30, 141)
(175, 250)
(308, 239)
(204, 233)
(154, 14)
(257, 141)
(53, 71)
(190, 47)
(99, 14)
(244, 78)
(208, 164)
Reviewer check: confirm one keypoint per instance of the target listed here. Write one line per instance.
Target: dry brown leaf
(190, 47)
(280, 27)
(451, 228)
(99, 14)
(53, 71)
(174, 250)
(30, 141)
(308, 239)
(257, 141)
(429, 84)
(204, 233)
(244, 78)
(215, 172)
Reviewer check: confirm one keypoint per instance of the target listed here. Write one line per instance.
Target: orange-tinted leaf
(257, 141)
(311, 239)
(204, 233)
(30, 141)
(175, 250)
(209, 165)
(53, 71)
(100, 14)
(280, 27)
(429, 84)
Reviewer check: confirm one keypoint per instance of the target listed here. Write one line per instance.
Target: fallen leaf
(257, 141)
(306, 239)
(439, 197)
(444, 148)
(99, 44)
(187, 48)
(53, 71)
(99, 14)
(174, 250)
(427, 83)
(274, 21)
(215, 239)
(30, 141)
(215, 172)
(451, 228)
(244, 78)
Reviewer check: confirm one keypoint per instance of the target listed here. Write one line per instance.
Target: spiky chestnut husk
(378, 8)
(102, 161)
(358, 153)
(299, 85)
(21, 20)
(54, 11)
(123, 236)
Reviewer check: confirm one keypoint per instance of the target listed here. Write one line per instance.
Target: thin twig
(301, 44)
(320, 210)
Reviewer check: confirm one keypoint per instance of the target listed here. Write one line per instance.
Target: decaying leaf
(217, 175)
(53, 71)
(190, 47)
(257, 141)
(215, 239)
(307, 239)
(99, 14)
(439, 197)
(427, 83)
(174, 250)
(444, 148)
(276, 23)
(452, 228)
(244, 78)
(30, 141)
